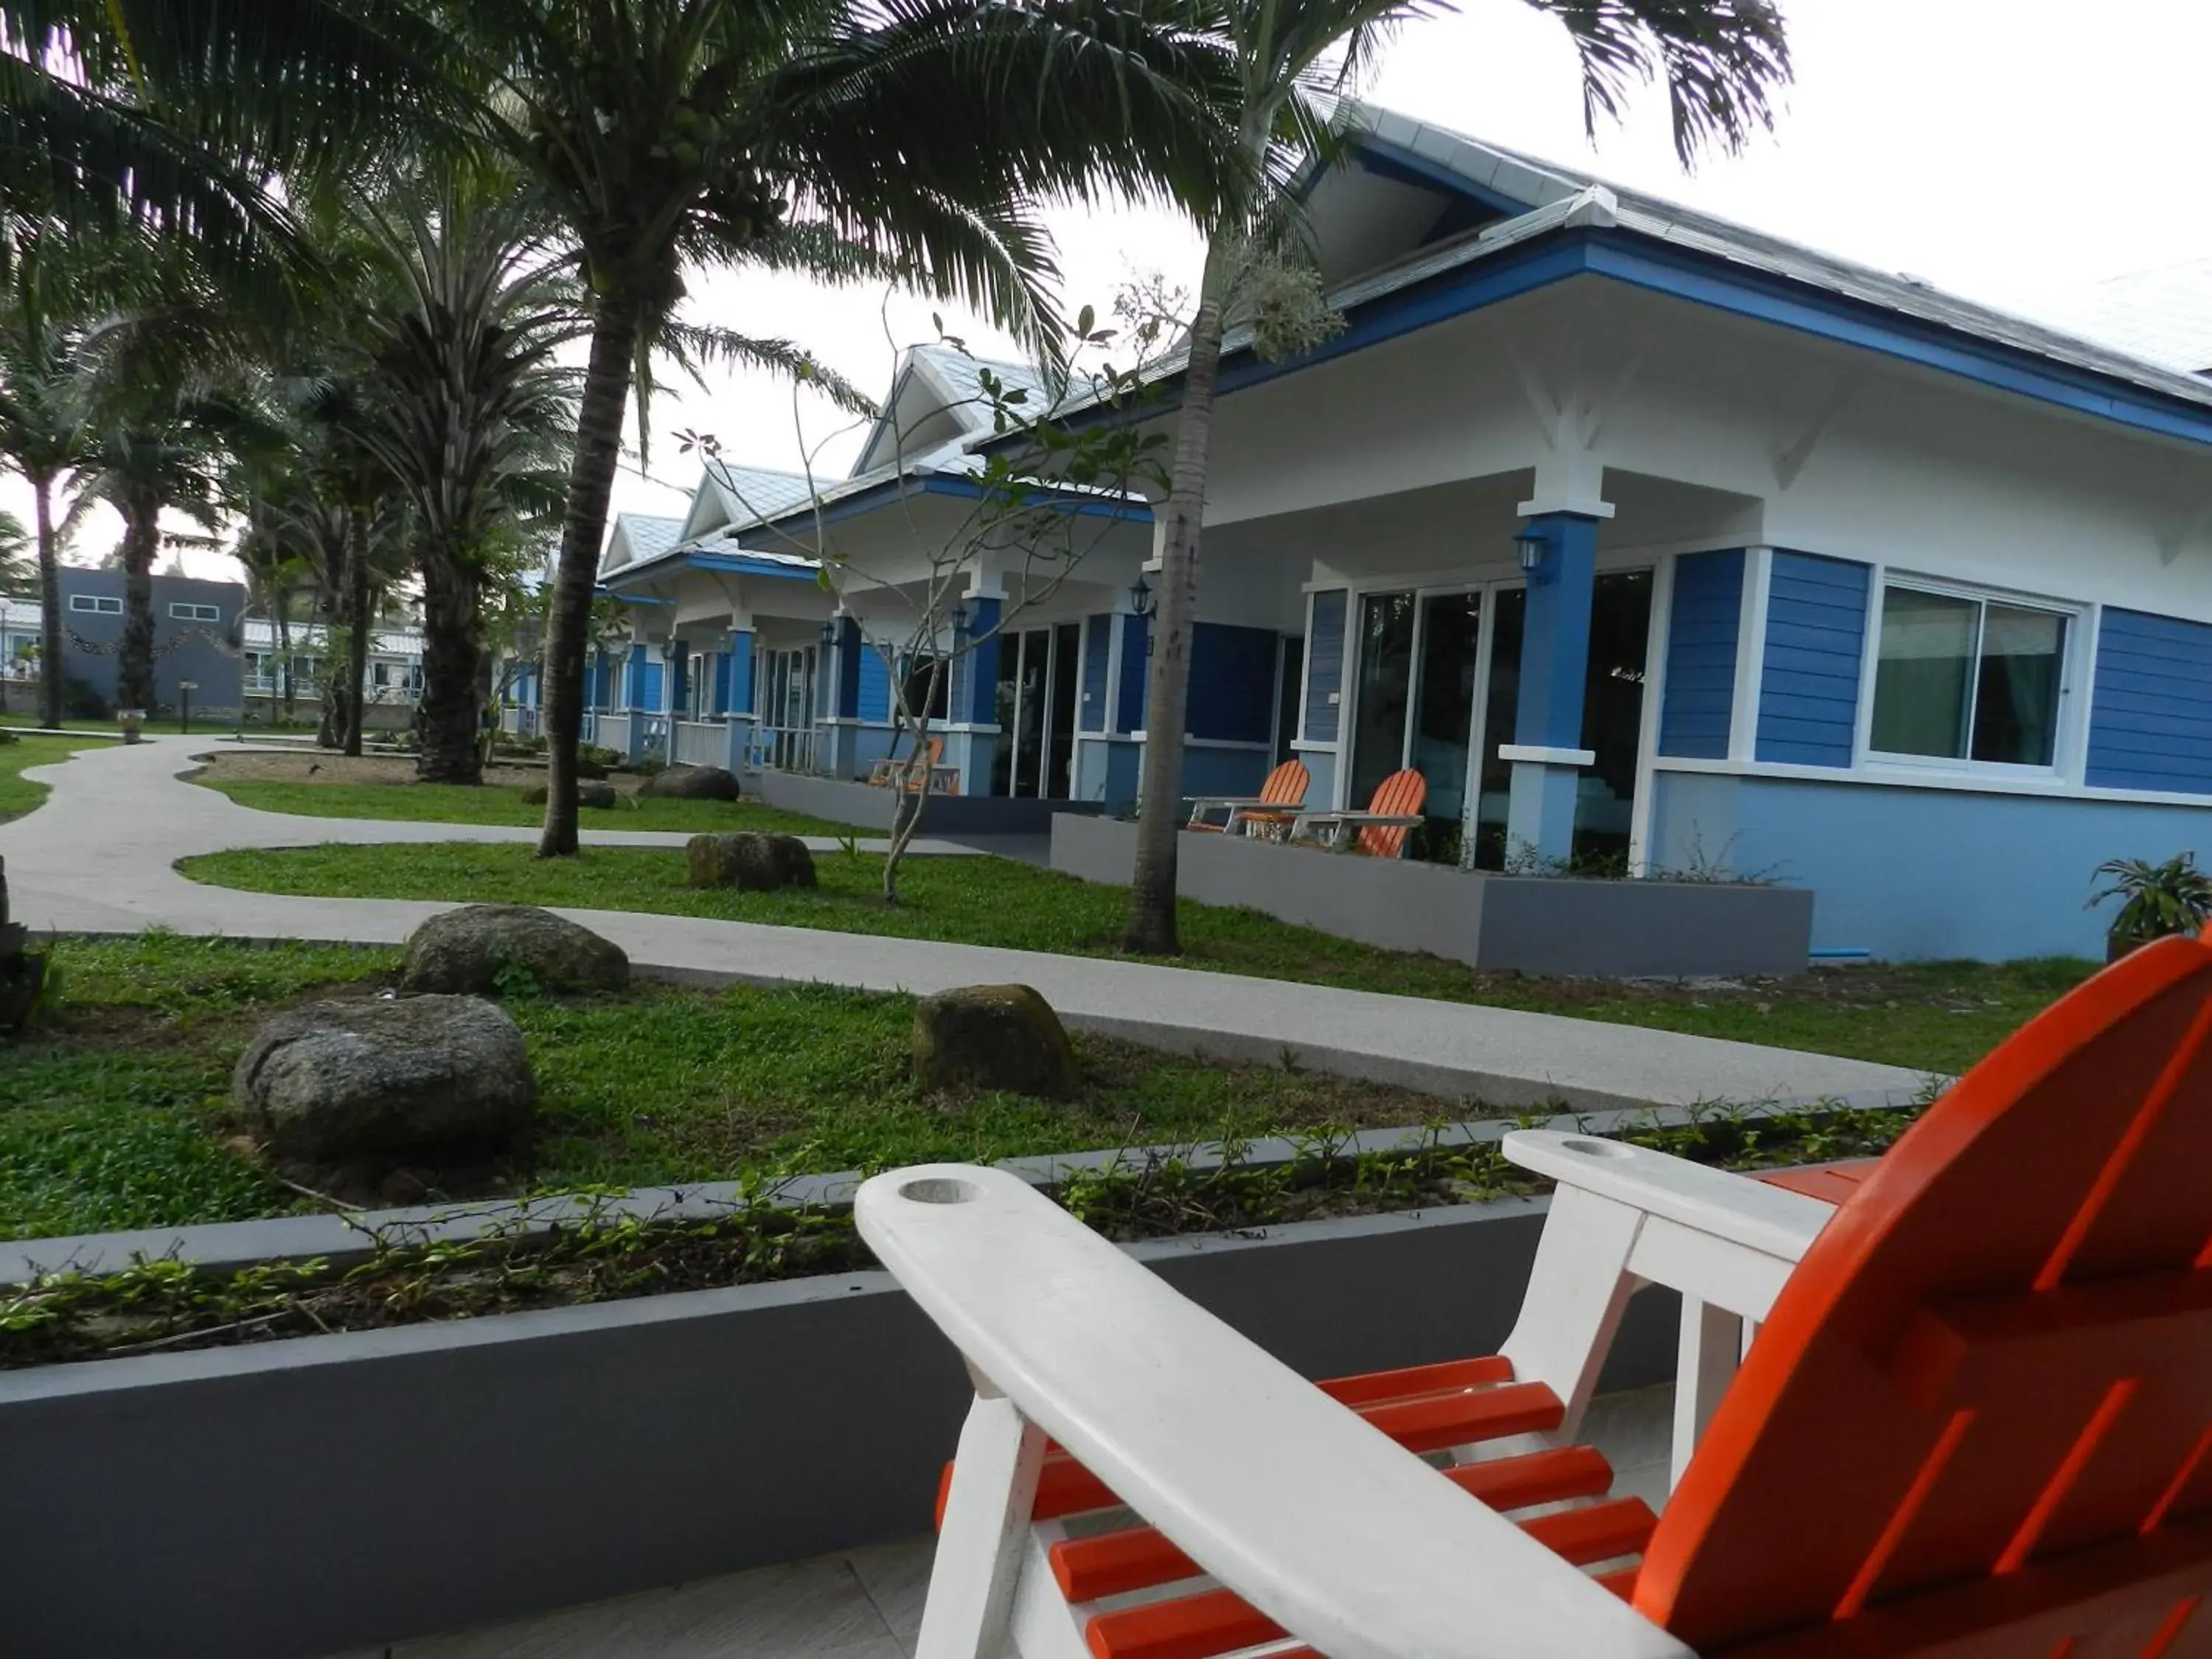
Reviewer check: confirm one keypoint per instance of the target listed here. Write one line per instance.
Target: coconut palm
(472, 418)
(1719, 59)
(44, 370)
(846, 136)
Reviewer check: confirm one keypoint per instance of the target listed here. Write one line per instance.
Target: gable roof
(642, 535)
(936, 399)
(1649, 241)
(730, 494)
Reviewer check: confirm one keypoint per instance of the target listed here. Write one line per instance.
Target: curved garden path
(98, 858)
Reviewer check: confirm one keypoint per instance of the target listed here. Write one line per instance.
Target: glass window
(195, 613)
(95, 602)
(1960, 678)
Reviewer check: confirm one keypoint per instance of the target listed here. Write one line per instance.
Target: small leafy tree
(1023, 525)
(2157, 899)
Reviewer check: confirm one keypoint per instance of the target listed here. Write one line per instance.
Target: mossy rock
(750, 861)
(691, 783)
(978, 1037)
(588, 794)
(489, 947)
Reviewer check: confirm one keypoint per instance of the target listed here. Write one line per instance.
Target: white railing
(783, 748)
(702, 743)
(612, 733)
(653, 735)
(520, 720)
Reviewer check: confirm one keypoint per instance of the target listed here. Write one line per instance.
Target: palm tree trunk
(357, 621)
(1151, 930)
(280, 611)
(50, 604)
(447, 713)
(591, 482)
(142, 542)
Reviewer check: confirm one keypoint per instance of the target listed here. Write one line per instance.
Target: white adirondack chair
(1979, 1422)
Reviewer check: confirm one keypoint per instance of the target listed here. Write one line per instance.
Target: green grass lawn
(18, 794)
(454, 803)
(1939, 1017)
(114, 1113)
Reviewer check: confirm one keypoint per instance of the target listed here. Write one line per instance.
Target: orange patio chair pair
(1382, 828)
(896, 772)
(1270, 812)
(1975, 1420)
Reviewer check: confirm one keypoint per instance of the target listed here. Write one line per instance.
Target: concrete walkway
(98, 858)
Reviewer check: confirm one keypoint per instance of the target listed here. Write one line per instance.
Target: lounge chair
(897, 771)
(1272, 809)
(1394, 810)
(1976, 1420)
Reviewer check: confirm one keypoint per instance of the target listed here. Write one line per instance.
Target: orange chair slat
(1831, 1183)
(1460, 1420)
(1140, 1557)
(1189, 1627)
(1287, 785)
(1399, 795)
(1413, 1381)
(1923, 1472)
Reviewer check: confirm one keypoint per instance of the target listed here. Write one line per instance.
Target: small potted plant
(2159, 899)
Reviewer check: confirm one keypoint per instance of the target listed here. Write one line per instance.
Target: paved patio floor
(867, 1604)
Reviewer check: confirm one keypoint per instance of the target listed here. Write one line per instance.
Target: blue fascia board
(1719, 283)
(893, 490)
(730, 564)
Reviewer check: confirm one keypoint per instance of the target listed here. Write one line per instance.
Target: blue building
(198, 634)
(1647, 537)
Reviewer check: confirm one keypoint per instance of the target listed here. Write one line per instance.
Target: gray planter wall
(870, 808)
(303, 1498)
(1536, 925)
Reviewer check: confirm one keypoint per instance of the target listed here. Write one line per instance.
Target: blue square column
(738, 704)
(1547, 752)
(835, 732)
(971, 734)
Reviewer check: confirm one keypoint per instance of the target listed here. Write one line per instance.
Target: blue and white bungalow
(1648, 538)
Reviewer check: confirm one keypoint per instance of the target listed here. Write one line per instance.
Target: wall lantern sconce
(830, 633)
(959, 621)
(1140, 597)
(1534, 547)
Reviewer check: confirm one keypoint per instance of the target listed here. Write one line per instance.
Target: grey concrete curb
(331, 1493)
(229, 1245)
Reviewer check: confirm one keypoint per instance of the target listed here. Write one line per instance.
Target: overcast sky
(2012, 151)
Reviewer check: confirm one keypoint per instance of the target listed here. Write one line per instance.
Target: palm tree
(847, 137)
(472, 419)
(1719, 59)
(43, 435)
(19, 577)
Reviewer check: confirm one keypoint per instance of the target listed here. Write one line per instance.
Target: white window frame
(2065, 745)
(96, 604)
(184, 611)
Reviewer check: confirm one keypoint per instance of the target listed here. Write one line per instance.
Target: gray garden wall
(1535, 924)
(303, 1498)
(870, 808)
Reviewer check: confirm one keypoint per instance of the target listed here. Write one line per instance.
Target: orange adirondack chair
(1394, 810)
(1276, 805)
(1976, 1420)
(893, 771)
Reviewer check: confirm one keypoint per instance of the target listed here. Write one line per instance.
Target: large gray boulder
(22, 971)
(415, 1080)
(753, 862)
(691, 783)
(475, 947)
(993, 1037)
(588, 794)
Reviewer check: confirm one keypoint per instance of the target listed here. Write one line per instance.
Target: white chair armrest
(1772, 1220)
(1347, 1541)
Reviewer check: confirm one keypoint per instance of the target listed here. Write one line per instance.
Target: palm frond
(1720, 60)
(695, 346)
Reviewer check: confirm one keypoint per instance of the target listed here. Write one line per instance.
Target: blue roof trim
(940, 484)
(729, 564)
(1722, 285)
(1405, 166)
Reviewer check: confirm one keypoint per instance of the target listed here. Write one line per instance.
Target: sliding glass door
(1432, 666)
(1037, 692)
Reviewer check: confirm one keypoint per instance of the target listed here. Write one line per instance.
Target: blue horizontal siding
(1816, 622)
(875, 700)
(1325, 664)
(1232, 683)
(2150, 724)
(1097, 641)
(1136, 674)
(1695, 716)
